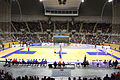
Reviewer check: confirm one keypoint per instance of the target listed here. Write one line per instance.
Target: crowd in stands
(114, 76)
(34, 38)
(92, 39)
(88, 39)
(87, 27)
(61, 27)
(48, 78)
(27, 78)
(7, 38)
(7, 76)
(79, 78)
(77, 38)
(114, 39)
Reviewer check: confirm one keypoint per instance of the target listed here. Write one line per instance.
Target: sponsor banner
(36, 44)
(99, 47)
(19, 45)
(47, 44)
(105, 47)
(76, 44)
(81, 45)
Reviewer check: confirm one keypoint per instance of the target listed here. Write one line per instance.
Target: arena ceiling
(88, 8)
(33, 10)
(61, 4)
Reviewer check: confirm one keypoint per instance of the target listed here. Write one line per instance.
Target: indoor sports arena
(59, 39)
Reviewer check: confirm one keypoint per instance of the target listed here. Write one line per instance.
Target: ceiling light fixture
(40, 0)
(83, 0)
(110, 0)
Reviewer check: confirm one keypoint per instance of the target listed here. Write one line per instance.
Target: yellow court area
(71, 55)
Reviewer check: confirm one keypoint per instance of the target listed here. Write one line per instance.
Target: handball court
(68, 55)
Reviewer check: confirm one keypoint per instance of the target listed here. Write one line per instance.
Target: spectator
(3, 46)
(59, 63)
(110, 64)
(74, 78)
(69, 78)
(78, 63)
(112, 77)
(42, 62)
(55, 64)
(116, 63)
(105, 62)
(79, 78)
(9, 45)
(113, 63)
(14, 61)
(106, 77)
(118, 74)
(45, 62)
(23, 61)
(36, 61)
(63, 64)
(19, 61)
(6, 61)
(44, 78)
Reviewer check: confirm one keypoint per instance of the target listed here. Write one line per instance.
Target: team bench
(26, 64)
(66, 66)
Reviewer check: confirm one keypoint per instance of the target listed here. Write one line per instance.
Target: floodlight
(41, 0)
(82, 0)
(110, 0)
